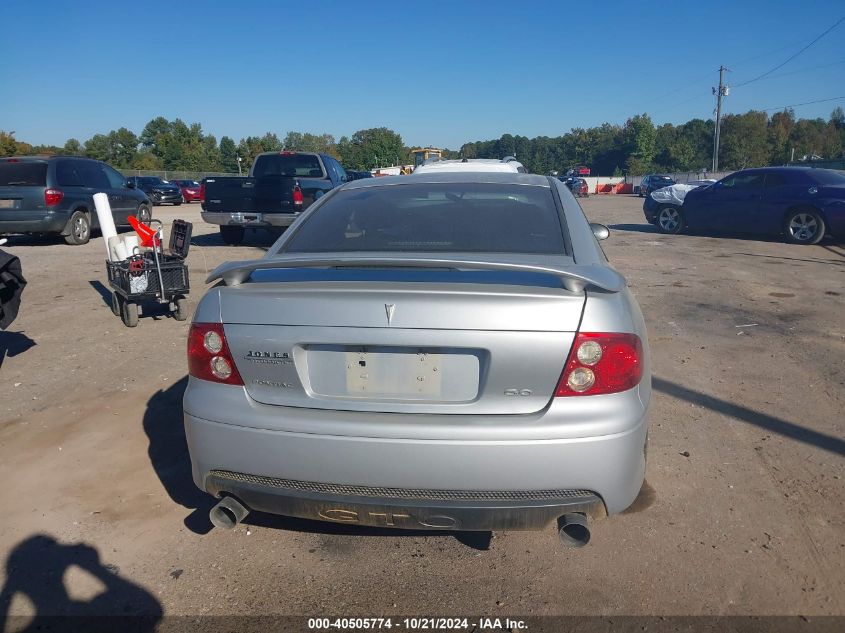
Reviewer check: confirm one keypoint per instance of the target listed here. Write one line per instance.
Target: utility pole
(721, 91)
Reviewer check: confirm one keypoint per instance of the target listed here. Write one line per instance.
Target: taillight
(297, 195)
(202, 192)
(53, 197)
(208, 355)
(601, 363)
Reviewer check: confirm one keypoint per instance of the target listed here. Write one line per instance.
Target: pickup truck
(280, 185)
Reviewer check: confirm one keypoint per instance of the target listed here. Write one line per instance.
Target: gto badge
(389, 309)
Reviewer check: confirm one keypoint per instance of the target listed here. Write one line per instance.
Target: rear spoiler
(574, 278)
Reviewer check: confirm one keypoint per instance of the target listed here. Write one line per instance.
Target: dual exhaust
(572, 529)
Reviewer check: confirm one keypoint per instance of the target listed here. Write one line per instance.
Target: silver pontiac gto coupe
(444, 351)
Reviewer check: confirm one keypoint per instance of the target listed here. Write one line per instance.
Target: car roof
(470, 164)
(466, 177)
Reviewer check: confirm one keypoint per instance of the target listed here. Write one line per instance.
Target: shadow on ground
(770, 423)
(13, 343)
(36, 569)
(168, 453)
(257, 239)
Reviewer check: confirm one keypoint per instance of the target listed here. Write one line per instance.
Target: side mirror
(600, 230)
(130, 184)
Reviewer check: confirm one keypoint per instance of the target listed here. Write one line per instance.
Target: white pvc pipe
(104, 215)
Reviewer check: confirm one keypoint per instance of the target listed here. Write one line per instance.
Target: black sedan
(158, 191)
(801, 203)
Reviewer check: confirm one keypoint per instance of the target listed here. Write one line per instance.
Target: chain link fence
(174, 175)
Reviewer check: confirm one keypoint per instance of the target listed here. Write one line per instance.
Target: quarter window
(66, 174)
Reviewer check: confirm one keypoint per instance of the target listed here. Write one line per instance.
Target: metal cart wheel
(129, 313)
(115, 304)
(181, 311)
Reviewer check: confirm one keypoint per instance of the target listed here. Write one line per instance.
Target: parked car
(801, 203)
(158, 190)
(446, 351)
(279, 187)
(55, 194)
(506, 165)
(661, 206)
(190, 189)
(357, 175)
(578, 186)
(653, 182)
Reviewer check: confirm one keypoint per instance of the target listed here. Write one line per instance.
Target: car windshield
(15, 173)
(304, 165)
(150, 180)
(434, 217)
(662, 180)
(828, 177)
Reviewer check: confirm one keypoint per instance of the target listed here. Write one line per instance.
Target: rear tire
(803, 226)
(115, 304)
(670, 220)
(181, 311)
(80, 229)
(129, 313)
(232, 235)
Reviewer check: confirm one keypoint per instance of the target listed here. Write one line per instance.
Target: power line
(789, 59)
(795, 105)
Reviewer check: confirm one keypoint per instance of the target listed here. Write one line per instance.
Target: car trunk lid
(481, 342)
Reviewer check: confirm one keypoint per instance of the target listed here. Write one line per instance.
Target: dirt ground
(743, 511)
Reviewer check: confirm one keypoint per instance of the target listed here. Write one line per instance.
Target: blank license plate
(7, 204)
(394, 373)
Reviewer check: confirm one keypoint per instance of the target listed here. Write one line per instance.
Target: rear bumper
(470, 484)
(17, 221)
(367, 506)
(250, 220)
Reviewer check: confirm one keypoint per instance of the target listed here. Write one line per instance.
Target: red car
(190, 189)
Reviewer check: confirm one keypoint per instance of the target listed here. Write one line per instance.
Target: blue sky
(440, 73)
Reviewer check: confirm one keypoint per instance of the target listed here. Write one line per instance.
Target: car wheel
(129, 313)
(115, 304)
(176, 204)
(670, 220)
(804, 227)
(232, 235)
(80, 229)
(145, 214)
(181, 311)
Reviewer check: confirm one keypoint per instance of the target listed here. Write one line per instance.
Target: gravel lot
(743, 511)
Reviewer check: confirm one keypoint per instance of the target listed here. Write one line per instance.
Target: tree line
(637, 147)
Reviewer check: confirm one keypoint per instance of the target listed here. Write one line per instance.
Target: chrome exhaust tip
(228, 513)
(573, 531)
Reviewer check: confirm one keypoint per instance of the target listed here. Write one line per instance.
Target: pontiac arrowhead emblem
(389, 308)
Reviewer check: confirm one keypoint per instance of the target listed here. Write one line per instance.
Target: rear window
(303, 165)
(828, 177)
(434, 217)
(23, 174)
(660, 180)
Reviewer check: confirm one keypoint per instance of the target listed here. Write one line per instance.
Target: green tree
(73, 147)
(374, 147)
(640, 143)
(228, 155)
(744, 140)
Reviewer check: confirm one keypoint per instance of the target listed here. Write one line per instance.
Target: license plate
(7, 204)
(410, 375)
